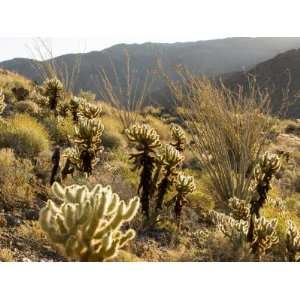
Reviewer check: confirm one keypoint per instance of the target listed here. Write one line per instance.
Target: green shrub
(27, 106)
(60, 130)
(112, 140)
(25, 135)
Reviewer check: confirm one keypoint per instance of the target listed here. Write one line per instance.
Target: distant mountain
(277, 75)
(210, 58)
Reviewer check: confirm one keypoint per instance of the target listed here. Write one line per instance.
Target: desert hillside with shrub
(88, 179)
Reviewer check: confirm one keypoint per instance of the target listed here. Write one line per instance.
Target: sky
(86, 25)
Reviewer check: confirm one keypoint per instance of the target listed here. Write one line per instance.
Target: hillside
(177, 205)
(276, 74)
(203, 57)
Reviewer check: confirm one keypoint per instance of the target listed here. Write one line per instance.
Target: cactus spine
(146, 142)
(54, 91)
(264, 236)
(292, 242)
(87, 140)
(172, 159)
(268, 165)
(184, 185)
(86, 226)
(179, 137)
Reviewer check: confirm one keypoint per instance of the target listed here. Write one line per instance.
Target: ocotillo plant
(184, 185)
(268, 165)
(172, 159)
(292, 242)
(146, 141)
(54, 91)
(87, 225)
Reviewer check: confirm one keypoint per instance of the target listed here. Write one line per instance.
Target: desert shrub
(25, 135)
(16, 180)
(228, 130)
(6, 255)
(61, 130)
(28, 107)
(112, 140)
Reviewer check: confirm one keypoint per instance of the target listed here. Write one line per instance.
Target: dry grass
(25, 135)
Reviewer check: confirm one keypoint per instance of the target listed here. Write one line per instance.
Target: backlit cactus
(179, 137)
(172, 158)
(265, 170)
(87, 225)
(144, 137)
(75, 106)
(54, 90)
(264, 236)
(292, 242)
(240, 209)
(2, 103)
(87, 139)
(146, 141)
(233, 229)
(89, 111)
(184, 185)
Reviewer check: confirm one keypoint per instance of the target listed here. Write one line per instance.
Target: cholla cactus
(235, 230)
(240, 208)
(2, 103)
(264, 236)
(267, 167)
(146, 141)
(87, 139)
(75, 105)
(184, 185)
(86, 226)
(89, 111)
(172, 159)
(54, 91)
(292, 242)
(179, 137)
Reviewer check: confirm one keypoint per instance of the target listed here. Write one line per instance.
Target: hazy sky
(108, 22)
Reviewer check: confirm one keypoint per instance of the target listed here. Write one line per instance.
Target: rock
(12, 220)
(31, 214)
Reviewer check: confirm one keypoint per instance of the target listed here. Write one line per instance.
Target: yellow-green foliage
(27, 106)
(2, 103)
(61, 130)
(16, 177)
(86, 226)
(25, 135)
